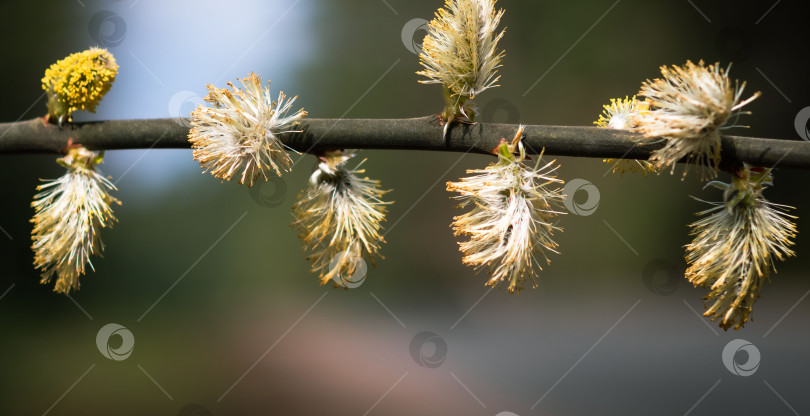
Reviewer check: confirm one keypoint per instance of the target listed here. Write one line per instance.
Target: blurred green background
(213, 284)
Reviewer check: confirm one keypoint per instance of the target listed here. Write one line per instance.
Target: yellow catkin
(689, 107)
(70, 213)
(78, 82)
(338, 217)
(737, 244)
(623, 114)
(512, 215)
(238, 136)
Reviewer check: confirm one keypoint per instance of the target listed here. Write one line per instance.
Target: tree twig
(425, 133)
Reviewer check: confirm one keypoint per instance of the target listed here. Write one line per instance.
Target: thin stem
(423, 133)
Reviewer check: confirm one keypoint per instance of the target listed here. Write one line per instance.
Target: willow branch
(425, 133)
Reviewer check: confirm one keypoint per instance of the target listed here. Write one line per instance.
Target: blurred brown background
(214, 287)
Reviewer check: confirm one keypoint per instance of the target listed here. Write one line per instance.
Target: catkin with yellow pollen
(460, 52)
(78, 82)
(238, 136)
(737, 244)
(338, 217)
(70, 213)
(689, 107)
(622, 114)
(513, 207)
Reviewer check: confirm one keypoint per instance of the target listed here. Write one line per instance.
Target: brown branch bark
(425, 133)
